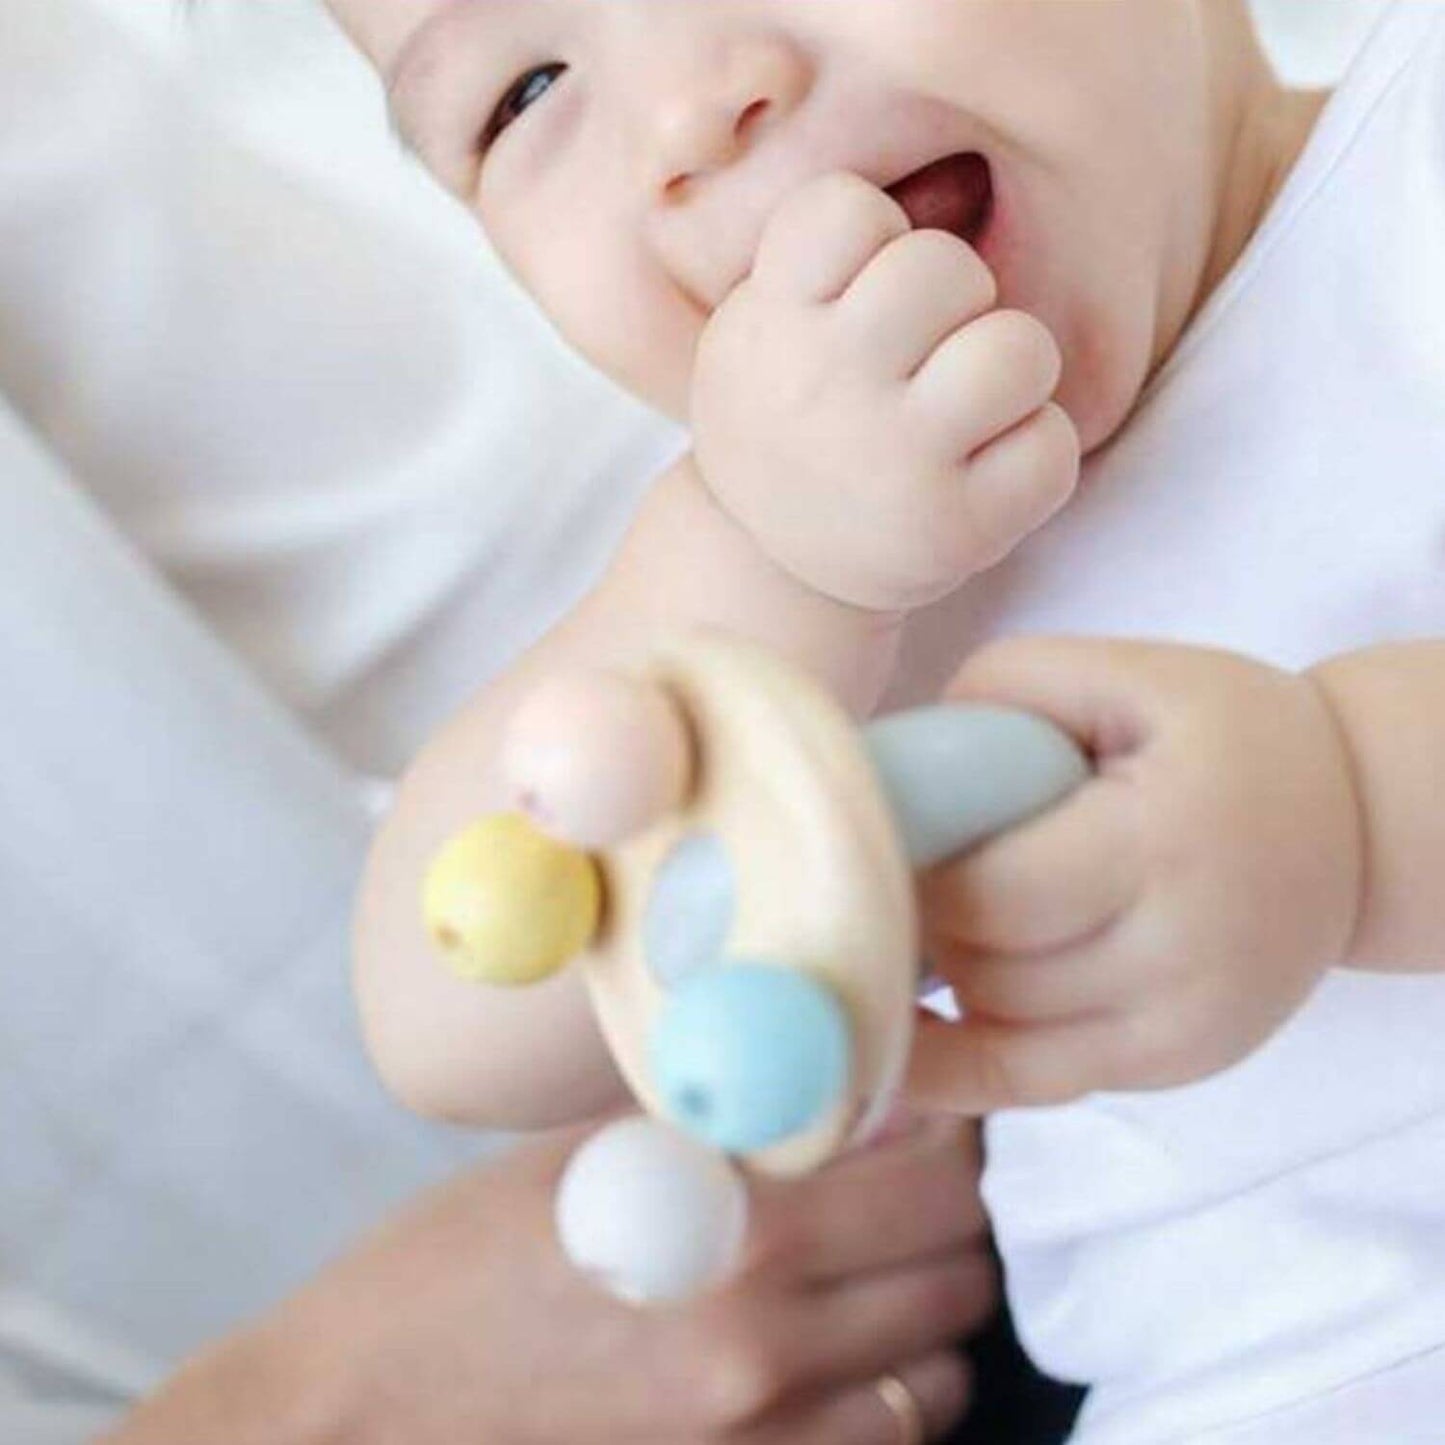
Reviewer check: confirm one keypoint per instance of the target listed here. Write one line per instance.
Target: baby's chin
(1098, 418)
(1106, 372)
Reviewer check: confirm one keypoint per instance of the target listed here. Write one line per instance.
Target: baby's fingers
(823, 235)
(1053, 882)
(1050, 989)
(980, 1066)
(984, 379)
(911, 296)
(1007, 491)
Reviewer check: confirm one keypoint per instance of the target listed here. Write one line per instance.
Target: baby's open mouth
(954, 194)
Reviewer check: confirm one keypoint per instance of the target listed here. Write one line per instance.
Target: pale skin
(1247, 830)
(462, 1321)
(742, 269)
(1159, 110)
(886, 411)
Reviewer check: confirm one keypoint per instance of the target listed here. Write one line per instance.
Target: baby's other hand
(1164, 921)
(861, 407)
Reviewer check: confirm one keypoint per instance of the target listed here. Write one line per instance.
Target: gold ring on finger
(903, 1405)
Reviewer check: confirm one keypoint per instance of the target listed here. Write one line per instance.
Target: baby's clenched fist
(1168, 918)
(861, 407)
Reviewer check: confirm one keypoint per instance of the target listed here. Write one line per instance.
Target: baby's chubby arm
(1389, 704)
(869, 433)
(532, 1058)
(1246, 829)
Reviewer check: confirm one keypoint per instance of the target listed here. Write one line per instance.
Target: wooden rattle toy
(729, 859)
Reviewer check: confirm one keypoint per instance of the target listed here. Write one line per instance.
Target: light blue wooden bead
(747, 1055)
(689, 910)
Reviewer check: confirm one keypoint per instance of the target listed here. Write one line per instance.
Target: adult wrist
(262, 1386)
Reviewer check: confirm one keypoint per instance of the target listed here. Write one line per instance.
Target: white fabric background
(190, 1127)
(292, 374)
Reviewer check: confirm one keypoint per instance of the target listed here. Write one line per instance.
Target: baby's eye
(529, 89)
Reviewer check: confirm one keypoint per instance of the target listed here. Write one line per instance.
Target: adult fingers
(860, 1329)
(941, 1387)
(739, 1361)
(903, 1202)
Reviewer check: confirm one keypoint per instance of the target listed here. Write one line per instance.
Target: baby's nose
(702, 100)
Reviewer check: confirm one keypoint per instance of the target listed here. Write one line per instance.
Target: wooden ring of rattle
(823, 886)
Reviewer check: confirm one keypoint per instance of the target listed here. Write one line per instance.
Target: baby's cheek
(620, 313)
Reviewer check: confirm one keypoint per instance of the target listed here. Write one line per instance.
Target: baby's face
(624, 155)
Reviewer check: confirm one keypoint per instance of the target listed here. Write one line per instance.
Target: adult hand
(461, 1321)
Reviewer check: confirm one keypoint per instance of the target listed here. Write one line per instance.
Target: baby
(898, 264)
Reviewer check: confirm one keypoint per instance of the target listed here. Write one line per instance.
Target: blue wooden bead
(747, 1055)
(690, 910)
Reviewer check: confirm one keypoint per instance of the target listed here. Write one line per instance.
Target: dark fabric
(1014, 1403)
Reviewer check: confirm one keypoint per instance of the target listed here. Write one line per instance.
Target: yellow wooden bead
(507, 905)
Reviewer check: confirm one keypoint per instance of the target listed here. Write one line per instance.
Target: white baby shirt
(1211, 1255)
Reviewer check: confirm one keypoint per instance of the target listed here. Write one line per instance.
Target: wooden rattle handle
(957, 774)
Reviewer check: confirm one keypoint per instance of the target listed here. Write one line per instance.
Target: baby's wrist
(1322, 683)
(687, 548)
(890, 575)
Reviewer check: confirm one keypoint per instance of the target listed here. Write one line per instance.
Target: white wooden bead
(651, 1214)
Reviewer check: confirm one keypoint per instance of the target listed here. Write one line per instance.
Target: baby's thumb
(979, 1066)
(1100, 693)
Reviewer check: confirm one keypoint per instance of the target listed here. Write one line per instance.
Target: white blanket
(190, 1126)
